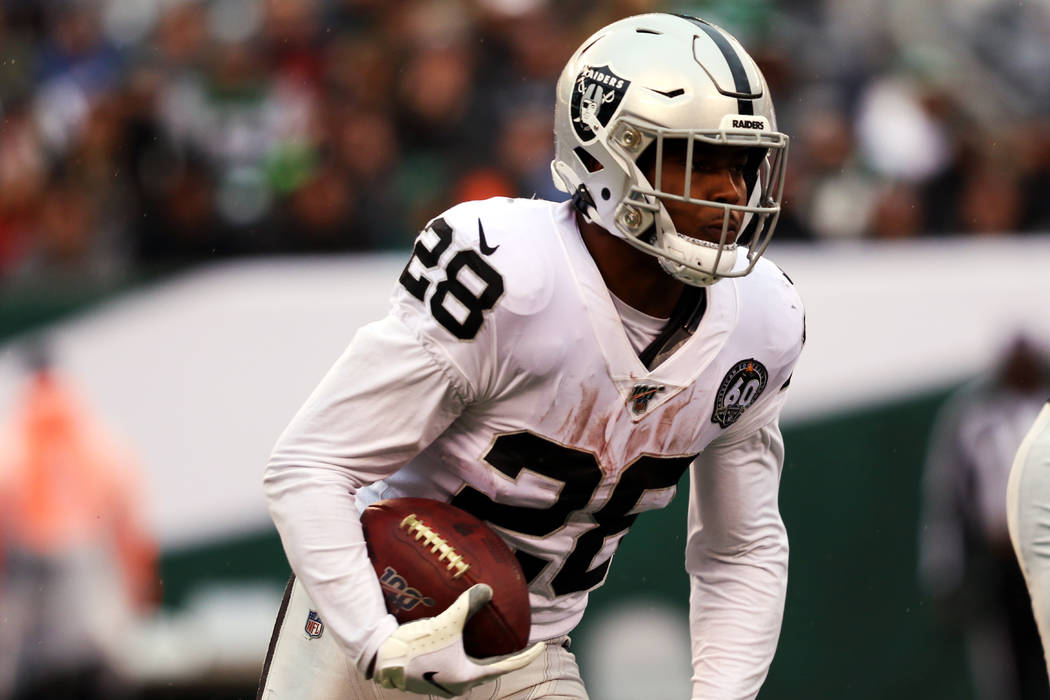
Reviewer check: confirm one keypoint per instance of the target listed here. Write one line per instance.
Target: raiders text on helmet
(634, 86)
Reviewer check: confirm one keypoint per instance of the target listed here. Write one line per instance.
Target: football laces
(436, 544)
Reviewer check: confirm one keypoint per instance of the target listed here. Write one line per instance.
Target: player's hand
(427, 656)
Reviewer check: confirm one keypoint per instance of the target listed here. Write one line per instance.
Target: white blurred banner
(203, 371)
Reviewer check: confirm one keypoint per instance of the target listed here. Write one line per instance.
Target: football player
(966, 562)
(554, 368)
(1027, 509)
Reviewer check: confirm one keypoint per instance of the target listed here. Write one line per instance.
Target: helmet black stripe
(741, 84)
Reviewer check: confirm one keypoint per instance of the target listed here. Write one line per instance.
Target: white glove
(427, 656)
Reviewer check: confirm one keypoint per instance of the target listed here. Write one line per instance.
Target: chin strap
(582, 200)
(683, 323)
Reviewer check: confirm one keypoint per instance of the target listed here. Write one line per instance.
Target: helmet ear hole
(588, 161)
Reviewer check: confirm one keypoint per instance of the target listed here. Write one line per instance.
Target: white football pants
(305, 663)
(1028, 515)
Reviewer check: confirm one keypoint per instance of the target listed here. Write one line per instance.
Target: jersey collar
(622, 362)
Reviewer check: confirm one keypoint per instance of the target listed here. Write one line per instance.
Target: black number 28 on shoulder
(463, 314)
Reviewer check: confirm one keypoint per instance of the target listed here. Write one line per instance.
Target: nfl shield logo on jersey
(742, 386)
(597, 94)
(314, 626)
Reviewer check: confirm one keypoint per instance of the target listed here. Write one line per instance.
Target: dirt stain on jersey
(656, 433)
(666, 433)
(637, 441)
(583, 428)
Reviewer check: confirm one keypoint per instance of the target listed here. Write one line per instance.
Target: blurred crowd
(145, 133)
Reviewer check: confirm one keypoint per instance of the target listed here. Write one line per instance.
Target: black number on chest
(579, 474)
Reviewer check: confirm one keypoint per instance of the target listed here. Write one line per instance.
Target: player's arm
(737, 546)
(383, 401)
(400, 384)
(737, 556)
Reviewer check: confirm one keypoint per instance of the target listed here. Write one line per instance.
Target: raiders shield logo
(742, 386)
(597, 94)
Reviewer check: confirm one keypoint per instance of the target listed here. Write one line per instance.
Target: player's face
(717, 176)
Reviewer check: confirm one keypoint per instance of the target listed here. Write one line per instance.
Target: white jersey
(503, 382)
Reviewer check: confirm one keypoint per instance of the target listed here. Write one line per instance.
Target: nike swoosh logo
(429, 678)
(486, 249)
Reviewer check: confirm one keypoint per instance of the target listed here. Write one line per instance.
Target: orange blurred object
(483, 184)
(66, 484)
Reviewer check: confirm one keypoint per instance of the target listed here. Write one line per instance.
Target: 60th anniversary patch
(742, 386)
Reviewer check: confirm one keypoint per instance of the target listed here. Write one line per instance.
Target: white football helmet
(640, 82)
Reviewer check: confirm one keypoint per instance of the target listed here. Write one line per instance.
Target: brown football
(426, 553)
